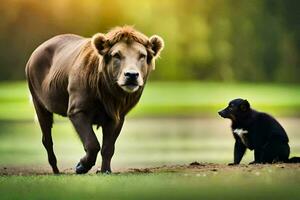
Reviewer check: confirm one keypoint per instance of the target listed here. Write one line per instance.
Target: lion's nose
(131, 75)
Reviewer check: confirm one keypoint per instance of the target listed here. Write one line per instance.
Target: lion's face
(128, 65)
(129, 56)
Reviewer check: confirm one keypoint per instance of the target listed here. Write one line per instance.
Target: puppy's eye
(117, 56)
(142, 56)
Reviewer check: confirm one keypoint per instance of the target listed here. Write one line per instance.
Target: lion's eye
(142, 56)
(117, 56)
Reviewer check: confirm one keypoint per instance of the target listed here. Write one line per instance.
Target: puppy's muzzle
(223, 113)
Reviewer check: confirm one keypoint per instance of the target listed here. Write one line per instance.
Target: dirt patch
(194, 167)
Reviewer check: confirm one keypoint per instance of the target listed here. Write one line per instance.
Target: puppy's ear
(157, 45)
(245, 105)
(100, 43)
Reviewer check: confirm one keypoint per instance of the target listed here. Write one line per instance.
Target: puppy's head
(236, 109)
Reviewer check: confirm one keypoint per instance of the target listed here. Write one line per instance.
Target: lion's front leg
(111, 131)
(91, 145)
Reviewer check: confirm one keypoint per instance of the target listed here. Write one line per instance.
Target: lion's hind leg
(45, 119)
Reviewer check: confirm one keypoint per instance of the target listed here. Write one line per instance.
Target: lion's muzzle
(131, 81)
(131, 76)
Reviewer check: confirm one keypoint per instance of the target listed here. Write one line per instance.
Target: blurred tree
(223, 40)
(288, 14)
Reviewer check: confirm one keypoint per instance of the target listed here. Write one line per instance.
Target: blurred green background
(220, 40)
(215, 50)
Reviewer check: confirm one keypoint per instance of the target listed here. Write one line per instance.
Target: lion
(92, 81)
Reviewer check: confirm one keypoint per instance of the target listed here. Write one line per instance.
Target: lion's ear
(99, 42)
(157, 44)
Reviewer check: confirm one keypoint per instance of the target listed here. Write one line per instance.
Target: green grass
(147, 142)
(143, 143)
(176, 99)
(267, 183)
(204, 98)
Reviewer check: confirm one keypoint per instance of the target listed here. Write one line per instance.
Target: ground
(199, 169)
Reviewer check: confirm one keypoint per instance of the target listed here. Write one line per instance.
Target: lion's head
(128, 56)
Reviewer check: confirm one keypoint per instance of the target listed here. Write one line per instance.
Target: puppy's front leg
(239, 151)
(257, 156)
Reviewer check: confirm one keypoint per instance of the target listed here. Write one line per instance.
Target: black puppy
(257, 131)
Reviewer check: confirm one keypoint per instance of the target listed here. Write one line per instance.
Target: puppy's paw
(232, 164)
(253, 163)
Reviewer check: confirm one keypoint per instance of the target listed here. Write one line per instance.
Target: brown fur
(128, 34)
(69, 74)
(97, 78)
(117, 102)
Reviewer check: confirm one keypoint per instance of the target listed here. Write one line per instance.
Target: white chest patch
(242, 134)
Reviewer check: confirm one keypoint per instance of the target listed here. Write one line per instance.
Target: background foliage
(222, 40)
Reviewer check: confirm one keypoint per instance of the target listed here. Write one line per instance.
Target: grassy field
(176, 99)
(145, 163)
(173, 125)
(261, 183)
(142, 143)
